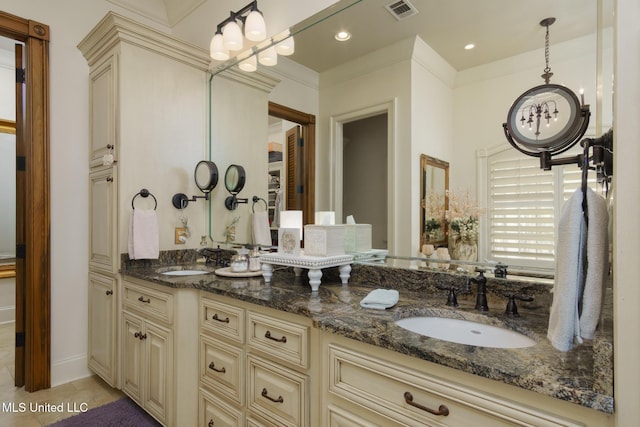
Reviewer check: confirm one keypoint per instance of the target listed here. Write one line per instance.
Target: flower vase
(464, 248)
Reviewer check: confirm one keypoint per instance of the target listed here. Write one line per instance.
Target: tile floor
(84, 393)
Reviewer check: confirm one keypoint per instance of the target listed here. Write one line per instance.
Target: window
(523, 203)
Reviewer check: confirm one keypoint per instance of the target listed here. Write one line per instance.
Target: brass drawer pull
(265, 394)
(141, 299)
(268, 335)
(442, 410)
(215, 317)
(212, 366)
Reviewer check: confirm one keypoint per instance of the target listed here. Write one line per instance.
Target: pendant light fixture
(546, 120)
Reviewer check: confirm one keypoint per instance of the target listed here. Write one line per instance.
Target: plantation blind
(521, 210)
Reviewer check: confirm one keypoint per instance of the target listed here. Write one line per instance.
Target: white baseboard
(8, 314)
(69, 369)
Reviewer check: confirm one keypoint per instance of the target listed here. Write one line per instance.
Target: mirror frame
(212, 170)
(440, 164)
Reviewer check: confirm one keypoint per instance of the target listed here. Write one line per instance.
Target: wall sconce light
(229, 37)
(206, 177)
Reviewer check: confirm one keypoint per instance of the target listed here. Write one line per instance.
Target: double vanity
(209, 350)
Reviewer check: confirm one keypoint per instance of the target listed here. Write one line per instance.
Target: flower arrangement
(462, 215)
(434, 213)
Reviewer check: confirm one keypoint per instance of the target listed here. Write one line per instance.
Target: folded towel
(380, 299)
(261, 232)
(581, 268)
(144, 237)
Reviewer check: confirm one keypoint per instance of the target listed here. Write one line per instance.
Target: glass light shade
(217, 49)
(254, 27)
(291, 219)
(286, 47)
(250, 64)
(268, 57)
(232, 36)
(325, 218)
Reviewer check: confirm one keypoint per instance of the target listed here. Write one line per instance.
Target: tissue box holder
(357, 237)
(324, 240)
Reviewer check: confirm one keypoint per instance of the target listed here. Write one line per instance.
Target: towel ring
(144, 193)
(257, 199)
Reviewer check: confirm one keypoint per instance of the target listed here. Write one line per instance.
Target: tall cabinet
(147, 110)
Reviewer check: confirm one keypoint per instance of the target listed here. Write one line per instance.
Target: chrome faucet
(481, 296)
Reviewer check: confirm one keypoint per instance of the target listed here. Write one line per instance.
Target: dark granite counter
(583, 376)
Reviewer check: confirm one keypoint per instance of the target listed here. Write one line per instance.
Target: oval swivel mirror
(234, 180)
(206, 178)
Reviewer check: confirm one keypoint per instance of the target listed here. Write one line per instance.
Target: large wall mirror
(440, 99)
(434, 200)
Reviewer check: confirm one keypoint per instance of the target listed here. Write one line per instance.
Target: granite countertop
(582, 375)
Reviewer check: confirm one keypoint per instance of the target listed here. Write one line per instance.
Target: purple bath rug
(121, 413)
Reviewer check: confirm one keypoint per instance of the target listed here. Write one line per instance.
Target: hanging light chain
(547, 71)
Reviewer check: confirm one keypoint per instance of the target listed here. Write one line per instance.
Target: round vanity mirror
(546, 118)
(206, 175)
(234, 179)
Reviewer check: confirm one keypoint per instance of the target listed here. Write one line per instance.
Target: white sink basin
(466, 332)
(185, 272)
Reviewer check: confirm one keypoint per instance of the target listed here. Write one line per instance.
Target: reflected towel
(261, 231)
(581, 268)
(144, 237)
(380, 299)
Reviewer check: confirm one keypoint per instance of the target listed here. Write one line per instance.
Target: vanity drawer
(276, 393)
(215, 412)
(149, 301)
(285, 341)
(403, 395)
(222, 368)
(222, 319)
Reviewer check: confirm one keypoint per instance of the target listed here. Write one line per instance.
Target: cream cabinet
(255, 360)
(159, 350)
(103, 310)
(366, 386)
(141, 83)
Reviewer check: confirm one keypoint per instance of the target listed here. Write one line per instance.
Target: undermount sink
(466, 332)
(184, 272)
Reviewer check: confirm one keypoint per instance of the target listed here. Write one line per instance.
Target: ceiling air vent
(401, 9)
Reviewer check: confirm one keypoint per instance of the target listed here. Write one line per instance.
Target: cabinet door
(103, 240)
(102, 327)
(103, 98)
(132, 356)
(158, 371)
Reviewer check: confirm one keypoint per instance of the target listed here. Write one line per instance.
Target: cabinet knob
(211, 423)
(137, 335)
(110, 146)
(143, 336)
(109, 292)
(109, 179)
(442, 410)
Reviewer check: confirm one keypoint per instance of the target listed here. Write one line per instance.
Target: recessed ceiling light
(469, 46)
(342, 36)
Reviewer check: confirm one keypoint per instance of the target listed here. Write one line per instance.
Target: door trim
(33, 125)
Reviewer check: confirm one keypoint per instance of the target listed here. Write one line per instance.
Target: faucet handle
(512, 308)
(452, 300)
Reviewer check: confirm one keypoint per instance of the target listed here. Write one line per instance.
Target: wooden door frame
(34, 257)
(308, 123)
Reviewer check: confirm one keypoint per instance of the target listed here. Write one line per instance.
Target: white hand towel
(597, 264)
(380, 299)
(582, 259)
(261, 232)
(144, 237)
